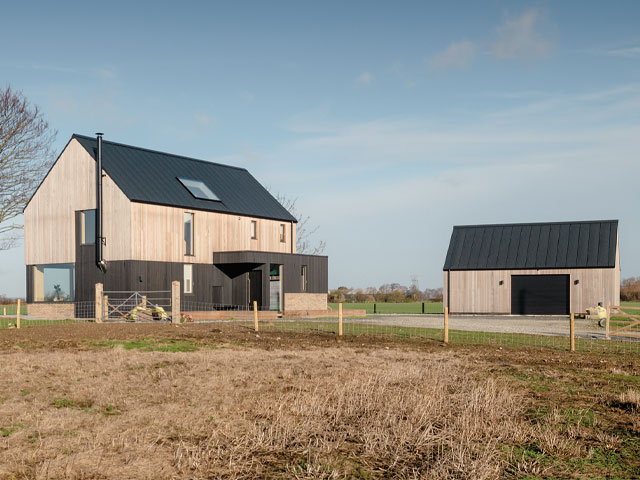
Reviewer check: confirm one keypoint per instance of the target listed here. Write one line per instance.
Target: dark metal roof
(149, 176)
(533, 246)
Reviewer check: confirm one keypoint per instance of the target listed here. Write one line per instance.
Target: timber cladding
(581, 262)
(50, 216)
(157, 234)
(133, 230)
(481, 291)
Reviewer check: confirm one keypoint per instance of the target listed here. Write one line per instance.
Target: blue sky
(390, 122)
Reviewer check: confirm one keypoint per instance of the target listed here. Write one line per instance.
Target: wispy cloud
(202, 120)
(365, 78)
(457, 55)
(517, 38)
(630, 52)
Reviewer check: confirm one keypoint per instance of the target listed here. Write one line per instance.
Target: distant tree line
(630, 289)
(389, 292)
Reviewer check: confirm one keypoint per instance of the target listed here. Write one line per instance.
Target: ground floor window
(54, 283)
(275, 286)
(303, 278)
(188, 278)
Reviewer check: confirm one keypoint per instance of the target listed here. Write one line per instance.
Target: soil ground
(219, 401)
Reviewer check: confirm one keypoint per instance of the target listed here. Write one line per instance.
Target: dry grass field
(202, 401)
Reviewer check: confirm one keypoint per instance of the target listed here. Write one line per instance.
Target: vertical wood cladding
(158, 234)
(50, 216)
(225, 283)
(480, 291)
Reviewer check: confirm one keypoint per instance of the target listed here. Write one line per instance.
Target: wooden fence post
(105, 307)
(98, 303)
(572, 332)
(422, 307)
(340, 319)
(606, 325)
(446, 324)
(18, 315)
(255, 315)
(175, 302)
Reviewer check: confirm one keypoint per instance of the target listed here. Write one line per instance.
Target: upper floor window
(282, 235)
(254, 229)
(88, 219)
(188, 233)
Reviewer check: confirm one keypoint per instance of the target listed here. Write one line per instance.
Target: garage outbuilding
(532, 268)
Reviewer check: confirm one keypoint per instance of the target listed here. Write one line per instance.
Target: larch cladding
(479, 291)
(133, 231)
(49, 218)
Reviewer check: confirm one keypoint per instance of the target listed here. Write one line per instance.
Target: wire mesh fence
(54, 313)
(544, 332)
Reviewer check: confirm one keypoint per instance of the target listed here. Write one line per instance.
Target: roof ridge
(535, 223)
(77, 135)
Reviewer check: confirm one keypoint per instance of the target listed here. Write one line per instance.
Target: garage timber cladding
(532, 268)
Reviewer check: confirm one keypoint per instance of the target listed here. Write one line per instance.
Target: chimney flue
(100, 263)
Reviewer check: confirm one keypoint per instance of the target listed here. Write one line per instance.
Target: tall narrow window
(303, 278)
(88, 227)
(188, 233)
(188, 278)
(254, 229)
(282, 237)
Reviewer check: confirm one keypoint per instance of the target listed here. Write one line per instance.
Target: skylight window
(198, 189)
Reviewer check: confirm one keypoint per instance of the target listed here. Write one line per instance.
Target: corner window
(254, 230)
(282, 235)
(188, 233)
(53, 283)
(303, 278)
(188, 278)
(88, 219)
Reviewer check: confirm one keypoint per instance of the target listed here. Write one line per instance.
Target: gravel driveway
(543, 325)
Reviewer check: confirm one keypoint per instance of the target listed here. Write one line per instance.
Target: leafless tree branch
(25, 155)
(304, 228)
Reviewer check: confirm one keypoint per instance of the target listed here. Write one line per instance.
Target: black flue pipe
(100, 263)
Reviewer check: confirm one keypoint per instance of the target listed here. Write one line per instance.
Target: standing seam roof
(149, 176)
(580, 244)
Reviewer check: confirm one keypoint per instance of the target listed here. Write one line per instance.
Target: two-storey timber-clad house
(165, 217)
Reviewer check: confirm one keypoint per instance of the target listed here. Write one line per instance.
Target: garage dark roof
(533, 246)
(149, 176)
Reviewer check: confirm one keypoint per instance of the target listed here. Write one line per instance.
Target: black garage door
(540, 294)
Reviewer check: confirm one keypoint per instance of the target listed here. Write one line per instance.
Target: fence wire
(549, 332)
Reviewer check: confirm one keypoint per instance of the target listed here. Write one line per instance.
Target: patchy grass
(150, 345)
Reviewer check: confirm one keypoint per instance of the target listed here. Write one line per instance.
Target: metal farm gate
(129, 306)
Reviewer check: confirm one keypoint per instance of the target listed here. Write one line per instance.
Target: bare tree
(25, 156)
(304, 229)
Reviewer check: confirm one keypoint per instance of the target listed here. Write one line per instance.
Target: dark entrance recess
(540, 294)
(255, 287)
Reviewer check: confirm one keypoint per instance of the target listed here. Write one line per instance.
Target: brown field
(202, 401)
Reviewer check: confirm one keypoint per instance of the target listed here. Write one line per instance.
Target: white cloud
(456, 55)
(202, 119)
(630, 52)
(518, 38)
(364, 79)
